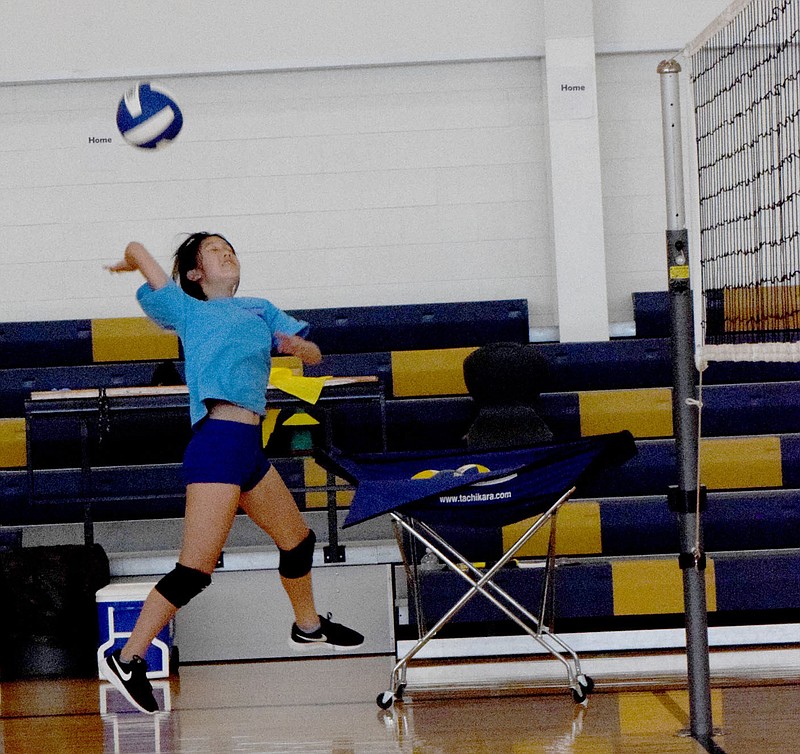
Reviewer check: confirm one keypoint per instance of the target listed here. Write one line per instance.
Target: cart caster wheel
(587, 683)
(398, 694)
(385, 699)
(580, 695)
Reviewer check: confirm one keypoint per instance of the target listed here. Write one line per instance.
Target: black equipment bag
(49, 618)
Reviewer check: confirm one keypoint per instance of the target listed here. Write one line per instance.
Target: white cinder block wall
(341, 186)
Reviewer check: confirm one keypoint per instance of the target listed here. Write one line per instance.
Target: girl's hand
(294, 345)
(122, 266)
(136, 257)
(130, 260)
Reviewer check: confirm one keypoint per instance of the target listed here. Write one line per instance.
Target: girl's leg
(210, 510)
(272, 507)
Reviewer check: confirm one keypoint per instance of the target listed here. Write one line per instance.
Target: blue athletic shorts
(227, 452)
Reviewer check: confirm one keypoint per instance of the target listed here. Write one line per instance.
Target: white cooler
(118, 607)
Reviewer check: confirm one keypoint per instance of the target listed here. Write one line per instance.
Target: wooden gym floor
(327, 705)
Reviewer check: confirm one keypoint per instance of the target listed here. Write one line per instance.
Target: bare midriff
(232, 413)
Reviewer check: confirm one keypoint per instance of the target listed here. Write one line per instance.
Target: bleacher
(618, 540)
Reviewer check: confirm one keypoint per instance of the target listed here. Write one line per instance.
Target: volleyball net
(745, 80)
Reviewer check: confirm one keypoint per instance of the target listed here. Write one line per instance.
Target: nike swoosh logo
(321, 638)
(120, 672)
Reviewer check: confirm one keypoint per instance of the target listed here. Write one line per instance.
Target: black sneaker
(329, 634)
(130, 679)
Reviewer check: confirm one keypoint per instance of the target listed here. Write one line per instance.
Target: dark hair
(185, 259)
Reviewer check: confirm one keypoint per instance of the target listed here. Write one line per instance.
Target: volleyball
(148, 116)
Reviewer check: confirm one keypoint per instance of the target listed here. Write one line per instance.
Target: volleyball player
(227, 342)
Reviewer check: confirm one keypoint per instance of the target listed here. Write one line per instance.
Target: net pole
(684, 499)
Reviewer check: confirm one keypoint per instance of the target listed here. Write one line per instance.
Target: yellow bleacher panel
(654, 586)
(315, 476)
(645, 412)
(268, 425)
(316, 499)
(13, 452)
(429, 372)
(344, 498)
(741, 462)
(320, 499)
(140, 339)
(577, 533)
(131, 339)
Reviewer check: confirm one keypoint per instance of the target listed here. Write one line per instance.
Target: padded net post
(684, 395)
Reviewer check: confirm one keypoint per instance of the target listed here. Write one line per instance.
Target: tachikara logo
(461, 471)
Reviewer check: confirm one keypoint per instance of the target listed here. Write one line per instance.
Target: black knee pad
(295, 563)
(182, 584)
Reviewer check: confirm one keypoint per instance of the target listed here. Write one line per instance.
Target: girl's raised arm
(136, 257)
